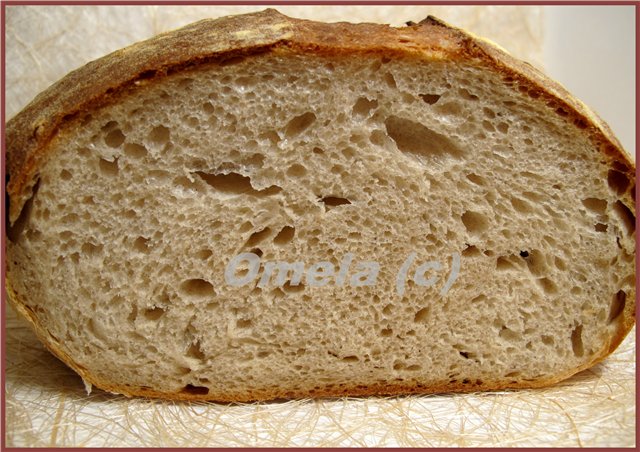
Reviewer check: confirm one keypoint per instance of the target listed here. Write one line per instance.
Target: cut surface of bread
(353, 150)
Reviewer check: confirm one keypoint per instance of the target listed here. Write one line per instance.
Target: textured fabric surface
(47, 405)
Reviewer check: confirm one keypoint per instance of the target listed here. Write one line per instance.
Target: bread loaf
(260, 207)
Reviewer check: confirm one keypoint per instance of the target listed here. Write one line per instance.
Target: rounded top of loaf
(103, 80)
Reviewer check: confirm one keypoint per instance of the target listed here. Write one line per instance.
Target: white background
(591, 50)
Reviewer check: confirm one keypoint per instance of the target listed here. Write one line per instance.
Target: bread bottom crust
(265, 395)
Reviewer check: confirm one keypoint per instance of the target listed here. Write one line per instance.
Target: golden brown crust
(102, 81)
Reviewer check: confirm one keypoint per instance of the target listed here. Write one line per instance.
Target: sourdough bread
(452, 219)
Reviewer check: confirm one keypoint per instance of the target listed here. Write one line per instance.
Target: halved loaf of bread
(260, 207)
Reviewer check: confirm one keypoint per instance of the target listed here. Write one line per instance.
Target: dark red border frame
(3, 173)
(322, 3)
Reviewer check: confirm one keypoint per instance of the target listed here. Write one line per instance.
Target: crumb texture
(122, 249)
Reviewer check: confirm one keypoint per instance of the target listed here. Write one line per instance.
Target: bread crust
(103, 81)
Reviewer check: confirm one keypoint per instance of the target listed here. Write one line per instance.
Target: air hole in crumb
(236, 184)
(471, 251)
(547, 340)
(504, 264)
(109, 168)
(84, 153)
(197, 288)
(600, 227)
(284, 236)
(255, 160)
(595, 205)
(488, 126)
(418, 141)
(467, 95)
(204, 254)
(522, 206)
(430, 98)
(421, 316)
(350, 359)
(503, 127)
(536, 263)
(617, 181)
(560, 264)
(576, 341)
(271, 136)
(363, 106)
(141, 244)
(489, 113)
(114, 138)
(159, 135)
(245, 227)
(258, 237)
(548, 286)
(390, 80)
(96, 330)
(478, 180)
(508, 334)
(208, 108)
(626, 216)
(195, 390)
(618, 303)
(133, 315)
(65, 175)
(299, 124)
(474, 222)
(244, 323)
(154, 313)
(379, 138)
(296, 170)
(257, 251)
(334, 201)
(386, 332)
(450, 108)
(135, 150)
(348, 153)
(339, 169)
(89, 249)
